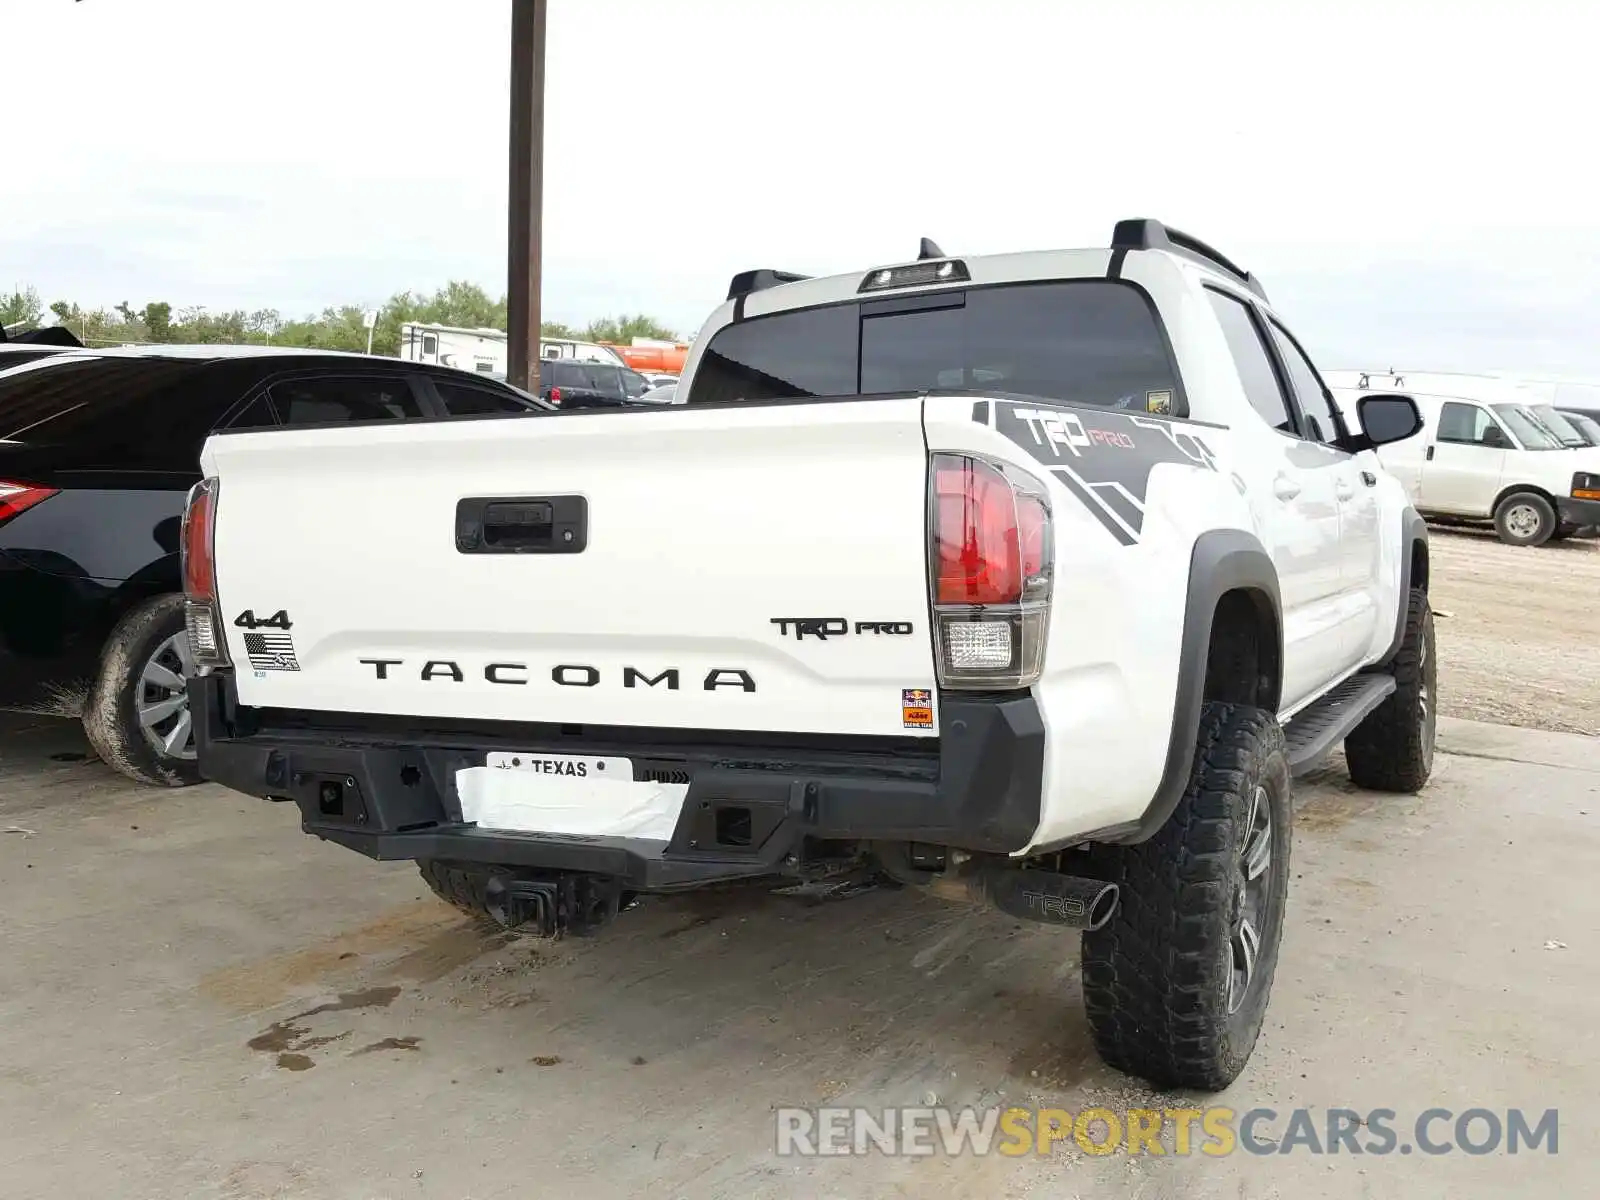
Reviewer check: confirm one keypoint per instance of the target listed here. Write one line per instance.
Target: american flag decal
(270, 650)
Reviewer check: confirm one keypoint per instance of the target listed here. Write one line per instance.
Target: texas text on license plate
(565, 766)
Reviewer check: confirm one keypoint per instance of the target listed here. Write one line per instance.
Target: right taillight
(206, 643)
(555, 397)
(17, 498)
(992, 555)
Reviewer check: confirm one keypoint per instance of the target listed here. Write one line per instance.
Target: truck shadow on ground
(885, 997)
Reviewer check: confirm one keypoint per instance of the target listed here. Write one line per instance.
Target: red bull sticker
(916, 708)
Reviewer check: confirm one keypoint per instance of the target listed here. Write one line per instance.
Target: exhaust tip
(1072, 901)
(1102, 908)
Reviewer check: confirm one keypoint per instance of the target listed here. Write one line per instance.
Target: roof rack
(759, 280)
(1145, 234)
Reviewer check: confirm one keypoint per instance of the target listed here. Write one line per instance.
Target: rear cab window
(1093, 342)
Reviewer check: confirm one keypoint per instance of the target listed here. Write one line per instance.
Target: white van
(1484, 455)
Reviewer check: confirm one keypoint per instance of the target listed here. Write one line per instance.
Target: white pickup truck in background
(1028, 578)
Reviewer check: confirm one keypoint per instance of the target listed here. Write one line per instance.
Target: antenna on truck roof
(929, 249)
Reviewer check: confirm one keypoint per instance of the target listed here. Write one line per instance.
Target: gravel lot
(197, 1000)
(1521, 642)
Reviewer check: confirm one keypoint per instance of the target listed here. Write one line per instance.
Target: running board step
(1313, 732)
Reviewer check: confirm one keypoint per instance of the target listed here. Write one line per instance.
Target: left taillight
(991, 560)
(18, 498)
(206, 643)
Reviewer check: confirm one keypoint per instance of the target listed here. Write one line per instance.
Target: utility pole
(525, 195)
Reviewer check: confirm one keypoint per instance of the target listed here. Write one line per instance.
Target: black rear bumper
(386, 787)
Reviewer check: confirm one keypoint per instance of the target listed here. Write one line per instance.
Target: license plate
(565, 766)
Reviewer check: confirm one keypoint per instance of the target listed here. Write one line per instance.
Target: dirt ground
(197, 1000)
(1518, 631)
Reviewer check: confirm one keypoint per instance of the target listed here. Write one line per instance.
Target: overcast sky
(1415, 182)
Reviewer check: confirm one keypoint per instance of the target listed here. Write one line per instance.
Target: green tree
(21, 307)
(459, 302)
(343, 328)
(622, 330)
(463, 303)
(263, 324)
(158, 321)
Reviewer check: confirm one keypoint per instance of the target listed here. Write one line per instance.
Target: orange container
(660, 360)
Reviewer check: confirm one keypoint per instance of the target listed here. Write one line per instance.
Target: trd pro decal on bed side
(1103, 456)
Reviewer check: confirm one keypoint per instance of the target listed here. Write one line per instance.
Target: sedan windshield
(1525, 427)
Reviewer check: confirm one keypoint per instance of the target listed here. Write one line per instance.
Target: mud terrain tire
(1165, 983)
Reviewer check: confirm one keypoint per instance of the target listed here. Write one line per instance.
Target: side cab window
(1323, 423)
(1257, 374)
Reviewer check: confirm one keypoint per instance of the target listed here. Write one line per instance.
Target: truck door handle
(1430, 454)
(1368, 478)
(1285, 488)
(522, 525)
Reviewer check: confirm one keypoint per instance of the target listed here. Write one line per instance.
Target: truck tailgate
(707, 536)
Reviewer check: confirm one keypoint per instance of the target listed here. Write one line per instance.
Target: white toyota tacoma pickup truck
(1030, 578)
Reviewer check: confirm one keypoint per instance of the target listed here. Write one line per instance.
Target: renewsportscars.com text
(1215, 1132)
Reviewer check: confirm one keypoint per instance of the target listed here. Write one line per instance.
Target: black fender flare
(1222, 561)
(1413, 529)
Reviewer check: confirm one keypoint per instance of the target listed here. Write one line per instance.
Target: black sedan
(98, 450)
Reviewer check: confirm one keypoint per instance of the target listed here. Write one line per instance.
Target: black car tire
(1512, 516)
(1161, 980)
(111, 710)
(1392, 749)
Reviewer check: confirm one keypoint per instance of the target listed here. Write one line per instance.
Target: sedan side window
(257, 414)
(470, 400)
(348, 398)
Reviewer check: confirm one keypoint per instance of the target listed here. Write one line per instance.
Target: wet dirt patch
(1335, 809)
(388, 1043)
(546, 1060)
(291, 1038)
(394, 938)
(1346, 883)
(447, 951)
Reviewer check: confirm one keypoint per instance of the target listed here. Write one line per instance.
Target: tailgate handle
(522, 525)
